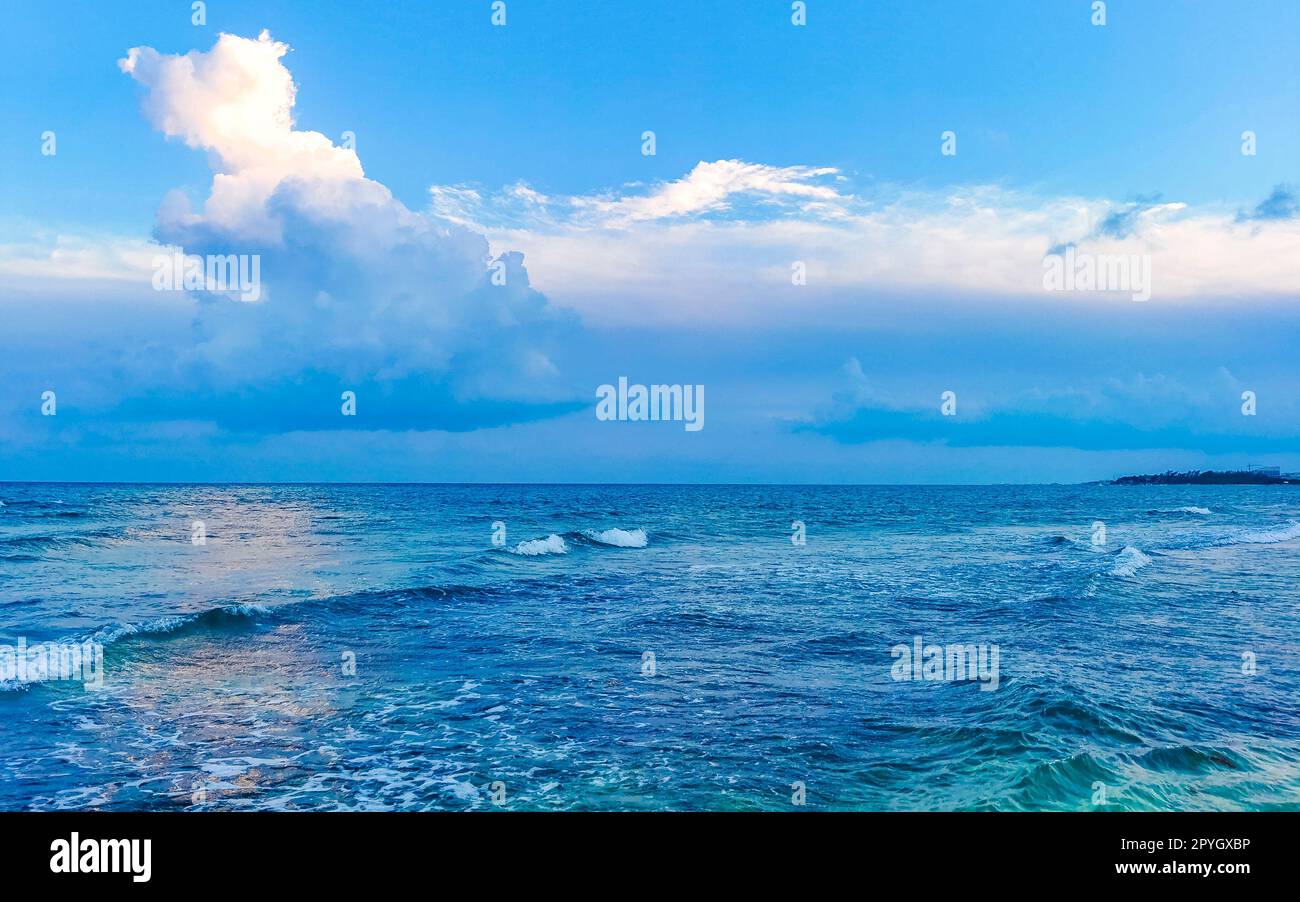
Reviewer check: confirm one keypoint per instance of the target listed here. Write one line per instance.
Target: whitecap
(621, 538)
(552, 544)
(246, 609)
(169, 624)
(1129, 561)
(109, 634)
(1286, 533)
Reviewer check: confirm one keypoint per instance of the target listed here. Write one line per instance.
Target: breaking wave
(1128, 561)
(1287, 533)
(1190, 510)
(620, 538)
(559, 544)
(552, 544)
(219, 616)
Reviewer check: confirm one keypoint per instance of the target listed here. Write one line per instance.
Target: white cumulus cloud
(354, 282)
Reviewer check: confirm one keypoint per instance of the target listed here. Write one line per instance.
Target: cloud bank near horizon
(739, 228)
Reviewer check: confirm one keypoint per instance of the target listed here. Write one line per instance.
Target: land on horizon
(1169, 477)
(1268, 476)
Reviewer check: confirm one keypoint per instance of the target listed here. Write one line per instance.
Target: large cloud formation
(738, 228)
(357, 289)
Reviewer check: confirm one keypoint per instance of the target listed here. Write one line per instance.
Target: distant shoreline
(1195, 477)
(1209, 477)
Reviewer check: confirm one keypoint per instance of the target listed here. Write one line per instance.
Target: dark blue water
(1157, 670)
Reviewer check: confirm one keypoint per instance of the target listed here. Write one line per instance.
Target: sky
(830, 226)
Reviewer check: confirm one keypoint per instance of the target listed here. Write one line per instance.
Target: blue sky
(775, 144)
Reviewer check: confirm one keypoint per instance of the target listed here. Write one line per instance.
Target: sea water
(652, 647)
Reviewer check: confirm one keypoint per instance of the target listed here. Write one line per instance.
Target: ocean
(646, 647)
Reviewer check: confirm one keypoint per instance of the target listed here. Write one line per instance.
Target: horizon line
(167, 482)
(488, 483)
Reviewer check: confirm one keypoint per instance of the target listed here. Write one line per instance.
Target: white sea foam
(1199, 511)
(552, 544)
(170, 624)
(1287, 533)
(1129, 561)
(246, 609)
(622, 538)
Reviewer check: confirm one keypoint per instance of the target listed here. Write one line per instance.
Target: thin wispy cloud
(719, 188)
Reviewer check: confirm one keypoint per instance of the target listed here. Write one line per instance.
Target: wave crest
(1287, 533)
(552, 544)
(177, 622)
(620, 538)
(1190, 509)
(1128, 561)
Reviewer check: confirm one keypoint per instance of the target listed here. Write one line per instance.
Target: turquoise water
(1158, 669)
